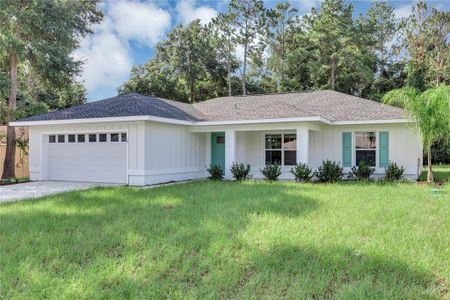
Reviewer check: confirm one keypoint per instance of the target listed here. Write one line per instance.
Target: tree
(341, 60)
(425, 39)
(381, 27)
(43, 34)
(186, 67)
(247, 16)
(279, 20)
(429, 111)
(225, 45)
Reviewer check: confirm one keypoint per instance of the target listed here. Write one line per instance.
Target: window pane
(61, 138)
(220, 139)
(290, 158)
(366, 155)
(51, 139)
(365, 140)
(273, 141)
(114, 137)
(102, 137)
(290, 141)
(71, 138)
(124, 137)
(92, 138)
(81, 138)
(273, 156)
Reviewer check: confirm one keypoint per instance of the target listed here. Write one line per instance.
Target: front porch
(258, 146)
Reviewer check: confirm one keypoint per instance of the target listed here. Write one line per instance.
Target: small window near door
(114, 137)
(365, 147)
(71, 138)
(52, 139)
(92, 138)
(81, 138)
(102, 137)
(61, 138)
(220, 139)
(123, 137)
(281, 149)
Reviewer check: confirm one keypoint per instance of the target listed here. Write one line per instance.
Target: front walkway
(36, 189)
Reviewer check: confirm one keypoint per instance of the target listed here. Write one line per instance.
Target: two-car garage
(94, 157)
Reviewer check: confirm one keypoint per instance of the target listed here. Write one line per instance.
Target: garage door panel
(97, 162)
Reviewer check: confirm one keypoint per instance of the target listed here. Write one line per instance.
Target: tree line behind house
(252, 49)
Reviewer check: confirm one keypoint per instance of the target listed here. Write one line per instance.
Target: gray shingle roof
(332, 105)
(123, 106)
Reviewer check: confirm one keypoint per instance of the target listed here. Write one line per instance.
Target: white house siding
(38, 141)
(404, 147)
(173, 153)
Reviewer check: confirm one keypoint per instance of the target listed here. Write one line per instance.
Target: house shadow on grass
(182, 241)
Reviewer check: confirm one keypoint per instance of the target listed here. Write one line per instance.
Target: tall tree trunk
(9, 164)
(244, 69)
(333, 73)
(229, 78)
(430, 169)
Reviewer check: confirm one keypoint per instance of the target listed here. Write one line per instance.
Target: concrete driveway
(36, 189)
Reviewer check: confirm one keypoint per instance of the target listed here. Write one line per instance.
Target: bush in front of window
(215, 172)
(363, 171)
(393, 172)
(329, 171)
(240, 171)
(302, 173)
(271, 171)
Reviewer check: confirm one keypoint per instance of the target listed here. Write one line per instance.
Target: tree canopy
(254, 49)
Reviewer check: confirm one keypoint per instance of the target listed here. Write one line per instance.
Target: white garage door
(88, 157)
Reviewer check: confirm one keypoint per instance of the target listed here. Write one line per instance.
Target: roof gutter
(203, 123)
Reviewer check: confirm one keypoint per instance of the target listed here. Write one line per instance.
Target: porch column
(230, 152)
(303, 145)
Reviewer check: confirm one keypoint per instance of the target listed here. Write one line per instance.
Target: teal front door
(218, 149)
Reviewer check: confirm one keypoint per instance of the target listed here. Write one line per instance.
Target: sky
(131, 28)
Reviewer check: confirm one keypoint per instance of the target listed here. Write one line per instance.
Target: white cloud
(107, 53)
(187, 12)
(142, 22)
(403, 11)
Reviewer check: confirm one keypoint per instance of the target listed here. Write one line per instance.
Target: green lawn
(440, 173)
(229, 240)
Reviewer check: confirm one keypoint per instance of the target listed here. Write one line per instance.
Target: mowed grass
(229, 240)
(441, 173)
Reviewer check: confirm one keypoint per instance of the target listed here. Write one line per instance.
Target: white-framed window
(114, 137)
(71, 138)
(102, 137)
(366, 147)
(61, 138)
(52, 138)
(92, 138)
(81, 138)
(123, 137)
(281, 148)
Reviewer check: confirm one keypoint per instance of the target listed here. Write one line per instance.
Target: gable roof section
(124, 106)
(330, 105)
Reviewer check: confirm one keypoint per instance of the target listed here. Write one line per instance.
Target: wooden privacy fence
(22, 169)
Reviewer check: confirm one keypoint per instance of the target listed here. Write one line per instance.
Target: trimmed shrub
(363, 171)
(393, 172)
(271, 171)
(329, 171)
(302, 172)
(215, 172)
(240, 171)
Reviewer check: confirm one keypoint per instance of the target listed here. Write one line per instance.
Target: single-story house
(141, 140)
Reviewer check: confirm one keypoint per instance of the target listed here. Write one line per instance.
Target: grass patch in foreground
(441, 173)
(229, 240)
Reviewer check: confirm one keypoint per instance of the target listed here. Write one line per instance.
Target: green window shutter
(347, 149)
(384, 149)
